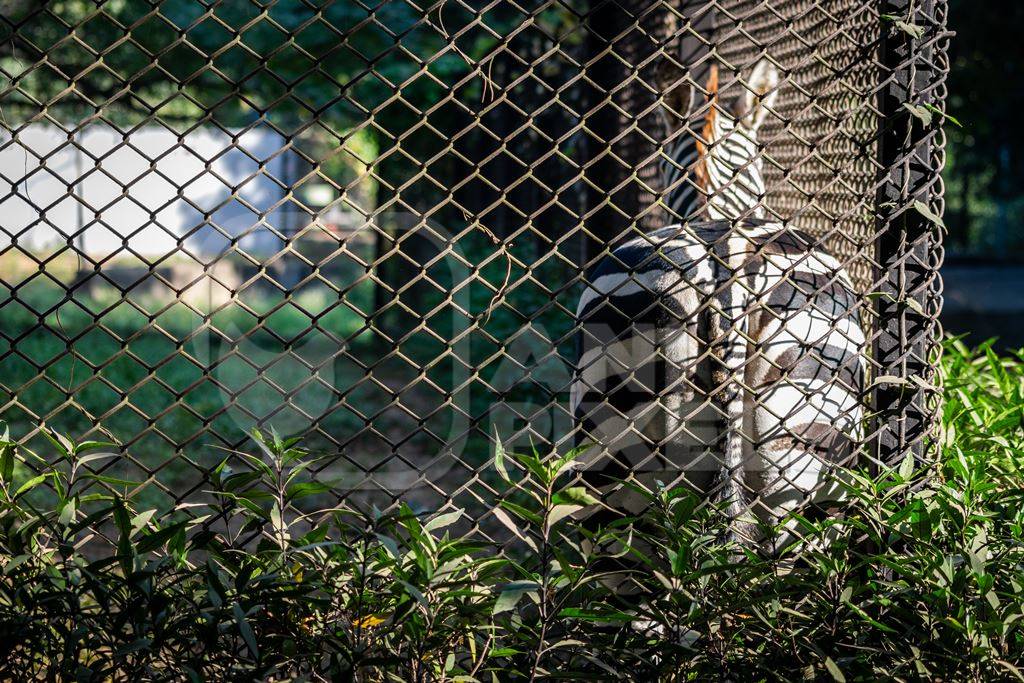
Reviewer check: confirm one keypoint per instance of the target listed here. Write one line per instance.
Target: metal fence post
(909, 243)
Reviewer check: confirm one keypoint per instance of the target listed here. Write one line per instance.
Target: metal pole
(907, 277)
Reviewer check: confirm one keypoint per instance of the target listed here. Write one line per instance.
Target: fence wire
(370, 224)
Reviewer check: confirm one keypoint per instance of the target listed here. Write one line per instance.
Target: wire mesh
(370, 224)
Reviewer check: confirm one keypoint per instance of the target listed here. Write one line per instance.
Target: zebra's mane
(716, 175)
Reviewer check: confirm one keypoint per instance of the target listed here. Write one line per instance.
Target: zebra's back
(674, 321)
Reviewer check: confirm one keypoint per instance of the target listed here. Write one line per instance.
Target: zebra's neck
(733, 165)
(683, 197)
(725, 183)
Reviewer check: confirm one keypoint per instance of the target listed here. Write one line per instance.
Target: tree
(986, 157)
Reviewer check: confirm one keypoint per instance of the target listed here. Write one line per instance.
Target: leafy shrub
(916, 577)
(243, 592)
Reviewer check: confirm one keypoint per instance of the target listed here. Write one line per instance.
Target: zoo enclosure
(369, 223)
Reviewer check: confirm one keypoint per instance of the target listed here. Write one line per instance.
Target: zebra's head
(712, 164)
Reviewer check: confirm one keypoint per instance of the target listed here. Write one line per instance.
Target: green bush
(917, 577)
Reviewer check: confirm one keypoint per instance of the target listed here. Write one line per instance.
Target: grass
(173, 382)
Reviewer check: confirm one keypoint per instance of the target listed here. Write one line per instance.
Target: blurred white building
(148, 189)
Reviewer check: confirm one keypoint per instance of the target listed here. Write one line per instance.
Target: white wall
(150, 166)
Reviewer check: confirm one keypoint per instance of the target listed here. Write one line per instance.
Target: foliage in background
(986, 157)
(918, 578)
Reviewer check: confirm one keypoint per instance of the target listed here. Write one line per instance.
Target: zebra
(725, 159)
(724, 351)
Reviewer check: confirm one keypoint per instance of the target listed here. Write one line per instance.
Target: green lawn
(174, 381)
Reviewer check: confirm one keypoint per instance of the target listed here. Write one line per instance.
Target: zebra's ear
(762, 89)
(676, 93)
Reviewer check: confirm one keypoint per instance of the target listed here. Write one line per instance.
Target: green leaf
(890, 379)
(245, 629)
(6, 461)
(390, 544)
(577, 494)
(115, 481)
(521, 512)
(60, 442)
(410, 522)
(946, 117)
(134, 646)
(589, 615)
(910, 29)
(560, 512)
(511, 525)
(866, 617)
(536, 466)
(499, 458)
(919, 112)
(86, 459)
(140, 521)
(30, 484)
(416, 593)
(563, 464)
(512, 593)
(257, 464)
(158, 538)
(240, 480)
(907, 467)
(833, 668)
(441, 521)
(67, 512)
(306, 488)
(275, 517)
(57, 482)
(93, 446)
(15, 562)
(124, 545)
(923, 209)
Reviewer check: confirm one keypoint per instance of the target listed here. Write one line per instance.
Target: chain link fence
(370, 224)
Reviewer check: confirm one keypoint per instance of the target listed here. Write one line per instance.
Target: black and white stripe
(726, 353)
(728, 356)
(683, 198)
(733, 164)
